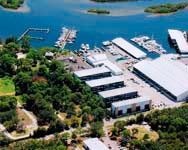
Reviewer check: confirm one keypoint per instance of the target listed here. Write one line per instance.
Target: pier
(34, 30)
(65, 41)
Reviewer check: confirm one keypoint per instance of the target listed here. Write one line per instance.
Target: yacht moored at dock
(67, 36)
(149, 44)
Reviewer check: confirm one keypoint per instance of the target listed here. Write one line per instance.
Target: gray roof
(105, 81)
(116, 92)
(180, 40)
(93, 71)
(131, 49)
(131, 101)
(170, 74)
(95, 144)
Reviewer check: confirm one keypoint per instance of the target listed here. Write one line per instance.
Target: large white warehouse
(177, 38)
(129, 48)
(166, 74)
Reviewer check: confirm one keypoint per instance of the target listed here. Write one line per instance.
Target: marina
(67, 36)
(149, 44)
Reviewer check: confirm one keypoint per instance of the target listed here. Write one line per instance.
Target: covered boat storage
(107, 83)
(178, 40)
(129, 48)
(131, 105)
(94, 73)
(167, 75)
(118, 94)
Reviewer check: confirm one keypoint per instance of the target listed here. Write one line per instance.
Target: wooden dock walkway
(34, 30)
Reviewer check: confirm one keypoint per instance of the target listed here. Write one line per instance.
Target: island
(12, 4)
(98, 11)
(166, 8)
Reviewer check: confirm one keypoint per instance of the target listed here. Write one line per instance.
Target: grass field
(153, 136)
(6, 87)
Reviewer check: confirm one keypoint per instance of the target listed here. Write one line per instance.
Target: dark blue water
(129, 20)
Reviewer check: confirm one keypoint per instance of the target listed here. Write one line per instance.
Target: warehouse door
(137, 108)
(120, 112)
(147, 107)
(129, 110)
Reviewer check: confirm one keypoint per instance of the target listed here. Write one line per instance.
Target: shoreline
(24, 8)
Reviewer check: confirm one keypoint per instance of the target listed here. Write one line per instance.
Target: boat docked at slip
(66, 36)
(149, 44)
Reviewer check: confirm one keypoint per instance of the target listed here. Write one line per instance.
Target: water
(127, 21)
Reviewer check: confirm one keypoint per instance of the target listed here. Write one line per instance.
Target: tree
(120, 124)
(11, 39)
(23, 81)
(26, 43)
(140, 118)
(125, 137)
(146, 137)
(114, 131)
(96, 129)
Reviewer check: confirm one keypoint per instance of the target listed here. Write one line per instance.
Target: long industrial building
(167, 75)
(107, 83)
(94, 73)
(118, 94)
(178, 40)
(129, 48)
(131, 105)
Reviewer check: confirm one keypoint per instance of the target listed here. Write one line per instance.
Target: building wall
(96, 76)
(108, 86)
(132, 106)
(125, 96)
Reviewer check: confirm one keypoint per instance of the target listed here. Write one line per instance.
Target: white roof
(180, 40)
(95, 144)
(170, 74)
(131, 101)
(112, 67)
(129, 48)
(105, 81)
(101, 59)
(93, 71)
(116, 92)
(97, 57)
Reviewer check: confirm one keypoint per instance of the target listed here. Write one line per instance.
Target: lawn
(142, 130)
(6, 87)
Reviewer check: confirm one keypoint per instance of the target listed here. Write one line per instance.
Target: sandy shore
(23, 9)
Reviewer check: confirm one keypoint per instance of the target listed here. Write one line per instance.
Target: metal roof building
(118, 94)
(179, 39)
(131, 105)
(166, 74)
(94, 144)
(94, 73)
(129, 48)
(105, 81)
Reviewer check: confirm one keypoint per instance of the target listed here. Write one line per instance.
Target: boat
(66, 36)
(149, 44)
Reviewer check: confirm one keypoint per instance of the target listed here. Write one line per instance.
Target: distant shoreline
(24, 8)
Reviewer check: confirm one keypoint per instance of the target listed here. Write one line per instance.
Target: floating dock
(34, 30)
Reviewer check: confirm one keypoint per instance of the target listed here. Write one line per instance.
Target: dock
(149, 44)
(66, 36)
(65, 41)
(34, 30)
